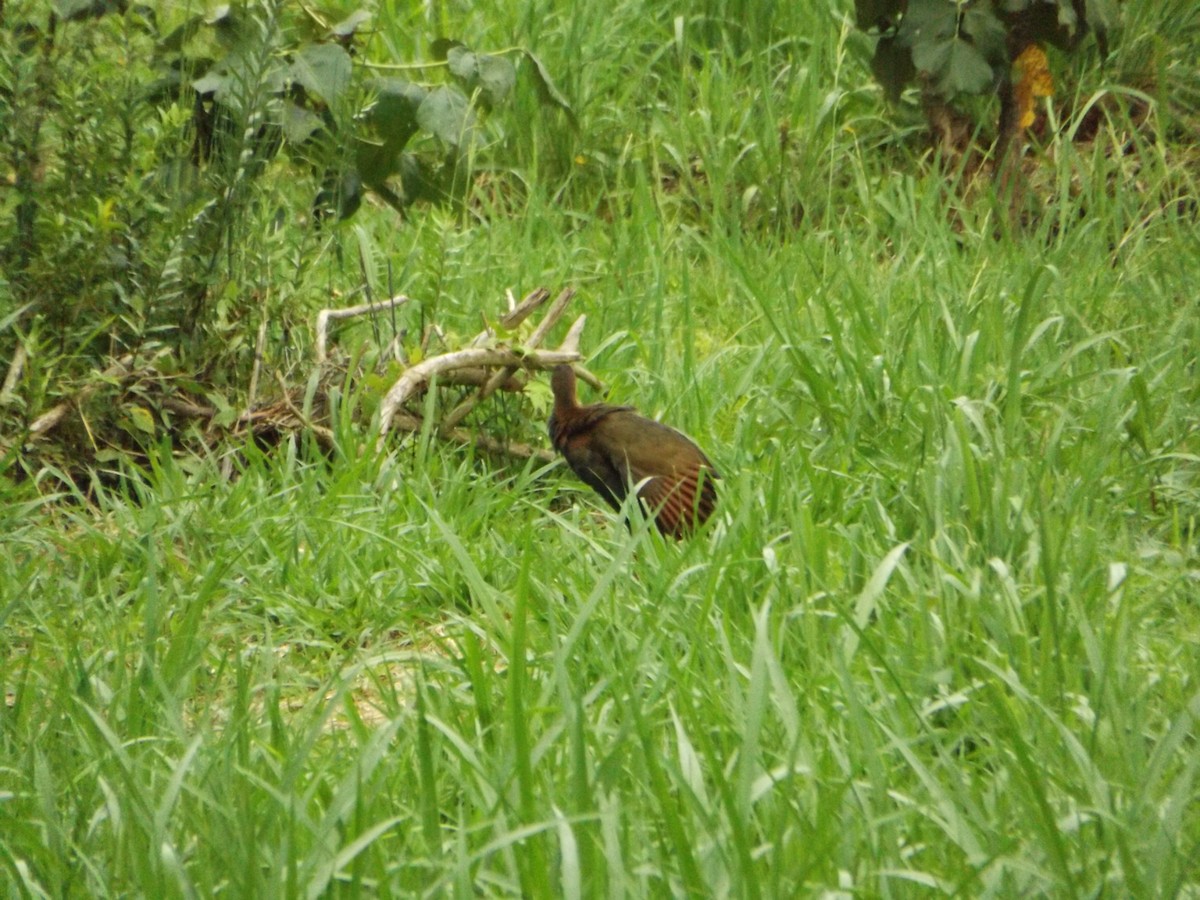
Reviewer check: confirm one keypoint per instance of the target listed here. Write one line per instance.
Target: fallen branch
(478, 378)
(350, 312)
(539, 334)
(48, 420)
(189, 409)
(423, 372)
(519, 312)
(323, 435)
(492, 361)
(505, 361)
(557, 308)
(259, 344)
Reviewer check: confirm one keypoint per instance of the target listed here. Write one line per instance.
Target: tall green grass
(942, 637)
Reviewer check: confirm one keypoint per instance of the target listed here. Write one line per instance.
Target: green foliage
(164, 166)
(942, 638)
(954, 48)
(353, 128)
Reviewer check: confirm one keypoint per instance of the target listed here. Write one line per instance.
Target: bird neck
(566, 402)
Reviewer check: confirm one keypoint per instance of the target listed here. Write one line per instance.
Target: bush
(156, 166)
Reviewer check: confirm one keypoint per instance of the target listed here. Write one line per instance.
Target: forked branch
(499, 359)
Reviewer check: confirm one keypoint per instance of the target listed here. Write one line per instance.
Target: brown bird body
(613, 449)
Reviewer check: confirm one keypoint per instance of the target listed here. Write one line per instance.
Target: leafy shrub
(154, 163)
(953, 49)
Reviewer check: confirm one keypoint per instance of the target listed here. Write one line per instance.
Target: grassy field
(943, 637)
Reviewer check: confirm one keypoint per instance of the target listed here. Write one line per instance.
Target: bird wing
(596, 469)
(676, 481)
(680, 501)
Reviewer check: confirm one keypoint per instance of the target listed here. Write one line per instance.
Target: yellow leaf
(1031, 79)
(142, 419)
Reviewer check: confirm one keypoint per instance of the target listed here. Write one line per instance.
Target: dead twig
(553, 314)
(323, 435)
(15, 369)
(49, 420)
(516, 314)
(519, 313)
(485, 363)
(350, 312)
(424, 372)
(259, 345)
(477, 378)
(539, 334)
(506, 361)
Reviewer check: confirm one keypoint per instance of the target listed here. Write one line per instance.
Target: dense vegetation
(942, 636)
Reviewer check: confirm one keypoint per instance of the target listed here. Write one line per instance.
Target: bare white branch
(425, 371)
(326, 315)
(15, 369)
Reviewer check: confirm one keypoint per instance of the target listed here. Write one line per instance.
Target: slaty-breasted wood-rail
(613, 449)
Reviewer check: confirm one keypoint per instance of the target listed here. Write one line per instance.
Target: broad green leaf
(497, 76)
(931, 56)
(174, 41)
(928, 21)
(541, 400)
(375, 162)
(547, 92)
(232, 29)
(446, 114)
(461, 62)
(955, 65)
(211, 83)
(440, 49)
(397, 92)
(968, 71)
(229, 79)
(275, 78)
(987, 33)
(324, 70)
(416, 182)
(394, 113)
(299, 123)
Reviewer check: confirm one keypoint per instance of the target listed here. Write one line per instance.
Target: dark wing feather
(571, 432)
(682, 500)
(595, 469)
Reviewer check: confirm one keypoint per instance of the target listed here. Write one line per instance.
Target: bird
(613, 449)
